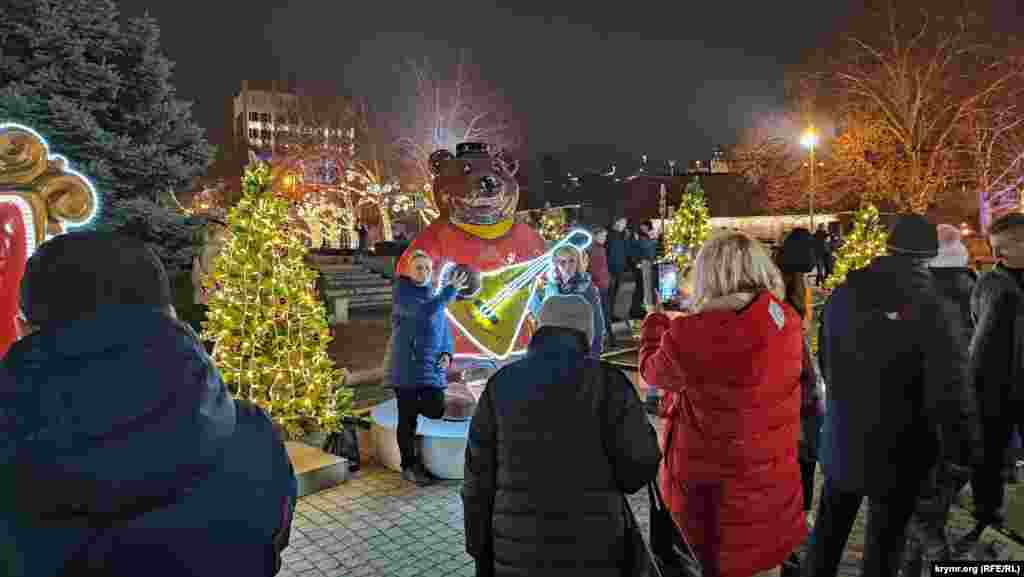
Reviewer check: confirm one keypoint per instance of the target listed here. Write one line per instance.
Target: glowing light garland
(68, 171)
(535, 268)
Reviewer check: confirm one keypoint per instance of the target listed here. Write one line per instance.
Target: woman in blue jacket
(568, 276)
(421, 354)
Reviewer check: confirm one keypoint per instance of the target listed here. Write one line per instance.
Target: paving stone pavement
(378, 525)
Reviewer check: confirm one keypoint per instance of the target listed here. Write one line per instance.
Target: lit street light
(809, 140)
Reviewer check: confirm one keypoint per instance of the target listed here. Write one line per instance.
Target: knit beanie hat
(75, 274)
(913, 236)
(568, 312)
(799, 254)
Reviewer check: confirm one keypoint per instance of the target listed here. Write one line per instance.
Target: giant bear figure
(477, 194)
(39, 197)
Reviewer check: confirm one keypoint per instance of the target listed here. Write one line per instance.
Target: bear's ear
(437, 159)
(511, 166)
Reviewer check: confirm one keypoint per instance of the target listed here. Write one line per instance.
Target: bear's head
(479, 189)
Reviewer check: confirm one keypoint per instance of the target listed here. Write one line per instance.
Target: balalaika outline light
(446, 268)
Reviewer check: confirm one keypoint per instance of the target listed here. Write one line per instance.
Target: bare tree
(449, 109)
(374, 178)
(913, 87)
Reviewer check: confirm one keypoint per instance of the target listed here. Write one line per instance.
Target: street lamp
(809, 140)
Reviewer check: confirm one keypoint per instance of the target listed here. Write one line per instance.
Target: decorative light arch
(64, 172)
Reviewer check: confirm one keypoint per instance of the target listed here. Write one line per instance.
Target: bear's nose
(488, 184)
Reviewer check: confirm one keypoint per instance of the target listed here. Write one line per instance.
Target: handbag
(640, 561)
(672, 553)
(669, 553)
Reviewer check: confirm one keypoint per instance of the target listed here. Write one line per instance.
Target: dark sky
(669, 79)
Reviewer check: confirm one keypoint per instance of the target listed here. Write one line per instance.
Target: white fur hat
(952, 252)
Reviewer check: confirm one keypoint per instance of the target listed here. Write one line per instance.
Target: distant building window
(265, 116)
(254, 117)
(265, 134)
(254, 133)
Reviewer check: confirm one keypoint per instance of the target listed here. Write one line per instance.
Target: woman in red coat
(731, 373)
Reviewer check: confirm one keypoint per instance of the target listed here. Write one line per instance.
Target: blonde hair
(581, 259)
(734, 262)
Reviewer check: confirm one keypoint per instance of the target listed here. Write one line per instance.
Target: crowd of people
(912, 394)
(124, 452)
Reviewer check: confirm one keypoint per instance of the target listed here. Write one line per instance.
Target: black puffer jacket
(891, 354)
(956, 285)
(998, 345)
(549, 454)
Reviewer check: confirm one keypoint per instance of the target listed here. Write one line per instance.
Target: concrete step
(358, 276)
(382, 300)
(355, 291)
(316, 470)
(332, 283)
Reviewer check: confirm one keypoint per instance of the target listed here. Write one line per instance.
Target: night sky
(669, 79)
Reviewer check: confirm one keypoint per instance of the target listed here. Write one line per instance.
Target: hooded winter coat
(733, 398)
(891, 353)
(125, 455)
(555, 441)
(420, 334)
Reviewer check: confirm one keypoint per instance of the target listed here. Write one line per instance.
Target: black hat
(913, 235)
(799, 254)
(1006, 222)
(75, 274)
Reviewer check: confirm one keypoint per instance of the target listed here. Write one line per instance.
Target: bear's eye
(467, 168)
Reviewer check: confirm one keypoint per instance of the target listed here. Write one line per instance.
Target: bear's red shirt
(445, 242)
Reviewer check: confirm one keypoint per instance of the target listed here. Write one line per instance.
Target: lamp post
(809, 140)
(664, 201)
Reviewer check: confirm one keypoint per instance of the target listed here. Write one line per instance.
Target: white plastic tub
(444, 442)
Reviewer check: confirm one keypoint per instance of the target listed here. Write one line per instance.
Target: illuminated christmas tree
(553, 224)
(269, 326)
(865, 242)
(689, 226)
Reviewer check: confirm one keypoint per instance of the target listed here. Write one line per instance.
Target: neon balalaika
(492, 317)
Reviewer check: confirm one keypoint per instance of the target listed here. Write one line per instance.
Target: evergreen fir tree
(864, 243)
(269, 326)
(101, 95)
(690, 225)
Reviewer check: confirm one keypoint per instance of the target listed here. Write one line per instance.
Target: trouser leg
(606, 308)
(886, 531)
(987, 479)
(614, 285)
(636, 307)
(927, 540)
(837, 511)
(408, 413)
(432, 403)
(807, 480)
